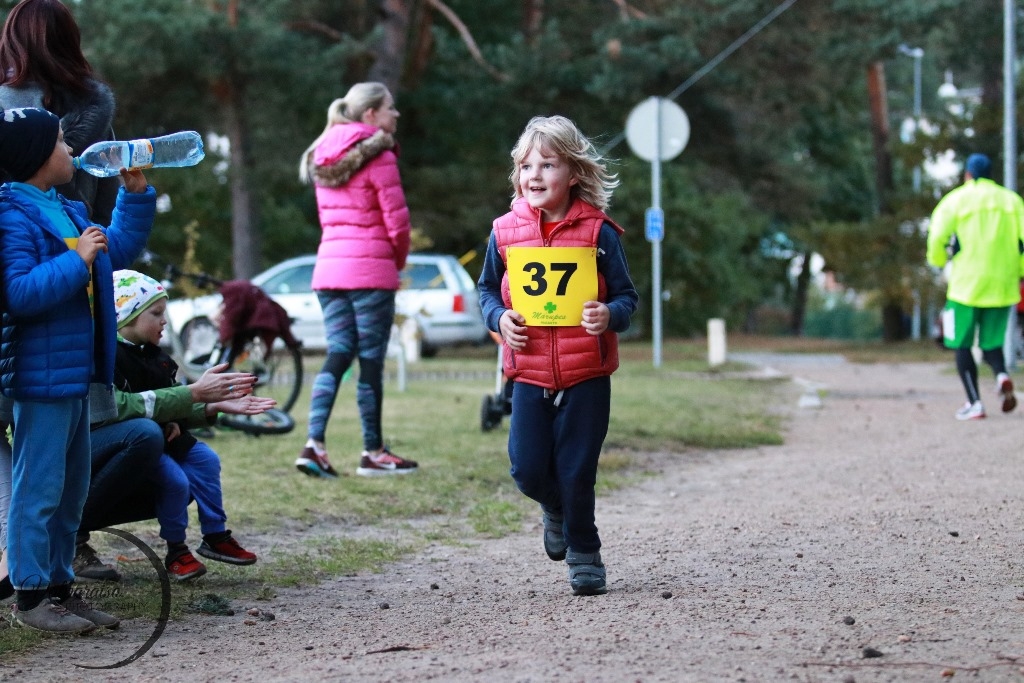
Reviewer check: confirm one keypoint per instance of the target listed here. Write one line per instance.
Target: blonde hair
(359, 99)
(560, 136)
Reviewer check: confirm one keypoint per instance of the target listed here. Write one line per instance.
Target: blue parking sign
(654, 224)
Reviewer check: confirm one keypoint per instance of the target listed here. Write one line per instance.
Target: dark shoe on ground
(586, 573)
(6, 589)
(384, 463)
(315, 464)
(52, 617)
(227, 550)
(554, 538)
(80, 607)
(185, 566)
(88, 566)
(1005, 386)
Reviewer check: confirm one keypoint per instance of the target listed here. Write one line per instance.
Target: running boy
(558, 313)
(146, 386)
(59, 334)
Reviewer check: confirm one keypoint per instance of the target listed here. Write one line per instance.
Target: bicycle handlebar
(173, 272)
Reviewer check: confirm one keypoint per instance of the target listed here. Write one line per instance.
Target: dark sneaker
(554, 538)
(586, 573)
(80, 607)
(1005, 386)
(227, 550)
(383, 464)
(185, 566)
(314, 464)
(88, 566)
(52, 617)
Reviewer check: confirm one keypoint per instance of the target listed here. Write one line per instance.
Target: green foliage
(780, 144)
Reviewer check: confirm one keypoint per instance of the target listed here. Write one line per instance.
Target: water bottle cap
(77, 162)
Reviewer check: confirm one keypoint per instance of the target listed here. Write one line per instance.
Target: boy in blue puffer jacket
(59, 334)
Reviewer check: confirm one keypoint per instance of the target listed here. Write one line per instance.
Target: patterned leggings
(358, 324)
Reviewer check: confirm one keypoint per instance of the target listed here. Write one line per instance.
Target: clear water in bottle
(105, 159)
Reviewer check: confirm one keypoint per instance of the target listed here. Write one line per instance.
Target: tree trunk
(391, 51)
(893, 328)
(880, 133)
(533, 18)
(245, 247)
(799, 313)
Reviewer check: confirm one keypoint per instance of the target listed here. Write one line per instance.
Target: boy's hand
(596, 317)
(513, 331)
(91, 242)
(134, 181)
(171, 431)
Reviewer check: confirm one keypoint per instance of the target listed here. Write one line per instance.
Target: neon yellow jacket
(988, 221)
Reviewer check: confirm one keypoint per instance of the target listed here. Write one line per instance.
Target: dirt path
(882, 523)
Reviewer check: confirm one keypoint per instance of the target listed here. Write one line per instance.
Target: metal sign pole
(656, 243)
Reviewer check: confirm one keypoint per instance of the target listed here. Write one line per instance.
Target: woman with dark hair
(42, 65)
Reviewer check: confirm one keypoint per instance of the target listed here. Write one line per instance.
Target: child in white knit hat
(146, 386)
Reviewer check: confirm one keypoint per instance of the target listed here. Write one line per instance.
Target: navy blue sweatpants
(554, 451)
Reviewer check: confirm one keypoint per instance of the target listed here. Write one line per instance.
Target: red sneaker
(315, 464)
(185, 566)
(384, 463)
(227, 550)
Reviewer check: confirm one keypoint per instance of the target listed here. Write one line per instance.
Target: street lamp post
(916, 53)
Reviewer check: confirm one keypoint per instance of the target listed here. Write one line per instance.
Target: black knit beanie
(27, 139)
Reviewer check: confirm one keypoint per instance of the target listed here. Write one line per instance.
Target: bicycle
(273, 355)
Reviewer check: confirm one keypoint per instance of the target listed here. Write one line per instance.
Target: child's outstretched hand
(90, 243)
(513, 330)
(596, 317)
(134, 180)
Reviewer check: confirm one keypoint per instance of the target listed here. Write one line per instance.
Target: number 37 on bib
(549, 285)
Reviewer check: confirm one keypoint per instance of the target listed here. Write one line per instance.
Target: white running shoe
(971, 411)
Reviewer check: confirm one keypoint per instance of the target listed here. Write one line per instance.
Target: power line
(715, 61)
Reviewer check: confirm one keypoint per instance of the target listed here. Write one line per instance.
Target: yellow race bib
(549, 285)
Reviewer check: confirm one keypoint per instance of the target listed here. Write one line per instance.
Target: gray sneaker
(81, 607)
(586, 573)
(87, 565)
(554, 538)
(52, 617)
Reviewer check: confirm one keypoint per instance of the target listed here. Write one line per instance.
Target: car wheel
(428, 351)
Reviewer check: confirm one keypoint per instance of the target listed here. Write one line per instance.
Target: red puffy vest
(556, 357)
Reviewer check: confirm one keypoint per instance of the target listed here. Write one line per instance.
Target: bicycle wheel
(278, 372)
(198, 341)
(273, 421)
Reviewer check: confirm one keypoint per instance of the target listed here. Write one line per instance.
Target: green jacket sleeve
(173, 404)
(940, 229)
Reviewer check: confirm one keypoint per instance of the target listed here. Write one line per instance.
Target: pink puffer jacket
(363, 213)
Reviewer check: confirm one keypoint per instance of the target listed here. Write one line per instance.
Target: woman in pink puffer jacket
(363, 248)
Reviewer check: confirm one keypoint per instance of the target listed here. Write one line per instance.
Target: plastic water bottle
(105, 159)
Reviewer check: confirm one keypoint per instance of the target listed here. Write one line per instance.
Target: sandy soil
(882, 527)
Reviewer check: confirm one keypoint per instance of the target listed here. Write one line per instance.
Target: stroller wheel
(490, 413)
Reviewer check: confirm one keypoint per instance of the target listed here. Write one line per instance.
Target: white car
(436, 291)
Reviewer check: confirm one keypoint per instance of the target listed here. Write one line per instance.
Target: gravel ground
(880, 543)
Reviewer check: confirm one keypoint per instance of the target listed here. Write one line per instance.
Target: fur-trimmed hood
(333, 165)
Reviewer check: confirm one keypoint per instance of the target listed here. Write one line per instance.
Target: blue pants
(197, 476)
(554, 452)
(124, 474)
(358, 324)
(49, 486)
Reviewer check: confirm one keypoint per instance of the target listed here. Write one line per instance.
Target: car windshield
(291, 281)
(422, 276)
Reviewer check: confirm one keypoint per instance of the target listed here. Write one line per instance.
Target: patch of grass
(463, 486)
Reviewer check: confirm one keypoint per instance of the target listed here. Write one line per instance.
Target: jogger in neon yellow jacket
(982, 224)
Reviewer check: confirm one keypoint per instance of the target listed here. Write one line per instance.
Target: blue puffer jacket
(51, 348)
